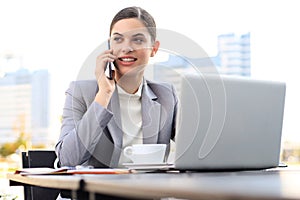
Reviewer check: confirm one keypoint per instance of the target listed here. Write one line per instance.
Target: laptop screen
(229, 122)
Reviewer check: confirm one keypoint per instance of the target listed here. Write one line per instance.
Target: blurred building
(234, 54)
(233, 58)
(24, 105)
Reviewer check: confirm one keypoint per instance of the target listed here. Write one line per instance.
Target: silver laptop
(229, 123)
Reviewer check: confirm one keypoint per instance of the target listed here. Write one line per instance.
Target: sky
(58, 35)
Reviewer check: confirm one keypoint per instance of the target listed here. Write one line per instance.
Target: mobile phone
(109, 68)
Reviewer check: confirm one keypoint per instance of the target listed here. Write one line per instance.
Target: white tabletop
(265, 184)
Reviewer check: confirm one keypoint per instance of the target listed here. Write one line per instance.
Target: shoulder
(83, 87)
(159, 85)
(83, 83)
(162, 89)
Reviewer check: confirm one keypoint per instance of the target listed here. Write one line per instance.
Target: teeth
(127, 59)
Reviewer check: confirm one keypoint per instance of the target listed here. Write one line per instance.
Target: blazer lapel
(115, 128)
(150, 115)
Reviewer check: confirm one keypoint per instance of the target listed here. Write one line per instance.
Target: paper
(99, 171)
(41, 170)
(70, 171)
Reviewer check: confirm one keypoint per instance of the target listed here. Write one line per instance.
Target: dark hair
(139, 13)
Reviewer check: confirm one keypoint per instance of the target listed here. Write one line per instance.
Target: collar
(124, 93)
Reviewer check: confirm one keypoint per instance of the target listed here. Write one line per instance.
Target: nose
(127, 49)
(126, 46)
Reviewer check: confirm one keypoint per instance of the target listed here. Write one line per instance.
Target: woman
(102, 117)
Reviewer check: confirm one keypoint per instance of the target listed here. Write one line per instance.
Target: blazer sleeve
(175, 115)
(83, 122)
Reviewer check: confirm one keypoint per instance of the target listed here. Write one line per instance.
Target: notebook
(227, 122)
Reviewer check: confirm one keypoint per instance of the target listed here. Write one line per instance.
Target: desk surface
(67, 182)
(266, 184)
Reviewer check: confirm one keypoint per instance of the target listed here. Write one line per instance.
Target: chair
(39, 158)
(47, 158)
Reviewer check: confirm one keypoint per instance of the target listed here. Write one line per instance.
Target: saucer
(146, 166)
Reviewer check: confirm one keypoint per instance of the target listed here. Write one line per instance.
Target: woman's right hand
(106, 86)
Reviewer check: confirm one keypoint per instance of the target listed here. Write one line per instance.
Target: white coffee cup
(146, 153)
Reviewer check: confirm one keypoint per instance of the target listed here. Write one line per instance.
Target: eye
(138, 40)
(117, 39)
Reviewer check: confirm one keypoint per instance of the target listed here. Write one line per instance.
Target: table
(262, 184)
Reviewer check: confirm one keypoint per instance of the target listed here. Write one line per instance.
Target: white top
(131, 117)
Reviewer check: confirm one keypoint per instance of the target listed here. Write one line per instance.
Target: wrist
(103, 97)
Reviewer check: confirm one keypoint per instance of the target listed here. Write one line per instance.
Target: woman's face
(131, 43)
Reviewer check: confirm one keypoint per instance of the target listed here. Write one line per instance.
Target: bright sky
(60, 34)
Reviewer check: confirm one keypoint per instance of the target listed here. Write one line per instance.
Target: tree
(22, 140)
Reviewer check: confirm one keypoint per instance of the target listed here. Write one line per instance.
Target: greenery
(11, 147)
(7, 197)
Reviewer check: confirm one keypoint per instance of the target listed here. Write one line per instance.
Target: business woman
(103, 116)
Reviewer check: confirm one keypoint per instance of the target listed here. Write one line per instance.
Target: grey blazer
(92, 135)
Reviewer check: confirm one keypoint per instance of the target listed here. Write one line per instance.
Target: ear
(155, 48)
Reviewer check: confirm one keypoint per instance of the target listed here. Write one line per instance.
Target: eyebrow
(117, 34)
(138, 34)
(135, 35)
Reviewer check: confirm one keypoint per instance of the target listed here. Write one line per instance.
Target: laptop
(228, 122)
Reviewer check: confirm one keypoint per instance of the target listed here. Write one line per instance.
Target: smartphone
(109, 68)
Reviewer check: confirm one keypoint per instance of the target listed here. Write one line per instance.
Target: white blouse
(131, 117)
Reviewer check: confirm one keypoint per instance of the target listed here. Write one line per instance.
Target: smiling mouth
(127, 59)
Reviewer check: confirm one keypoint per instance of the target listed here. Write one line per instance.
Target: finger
(109, 51)
(111, 56)
(104, 53)
(99, 76)
(103, 60)
(107, 56)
